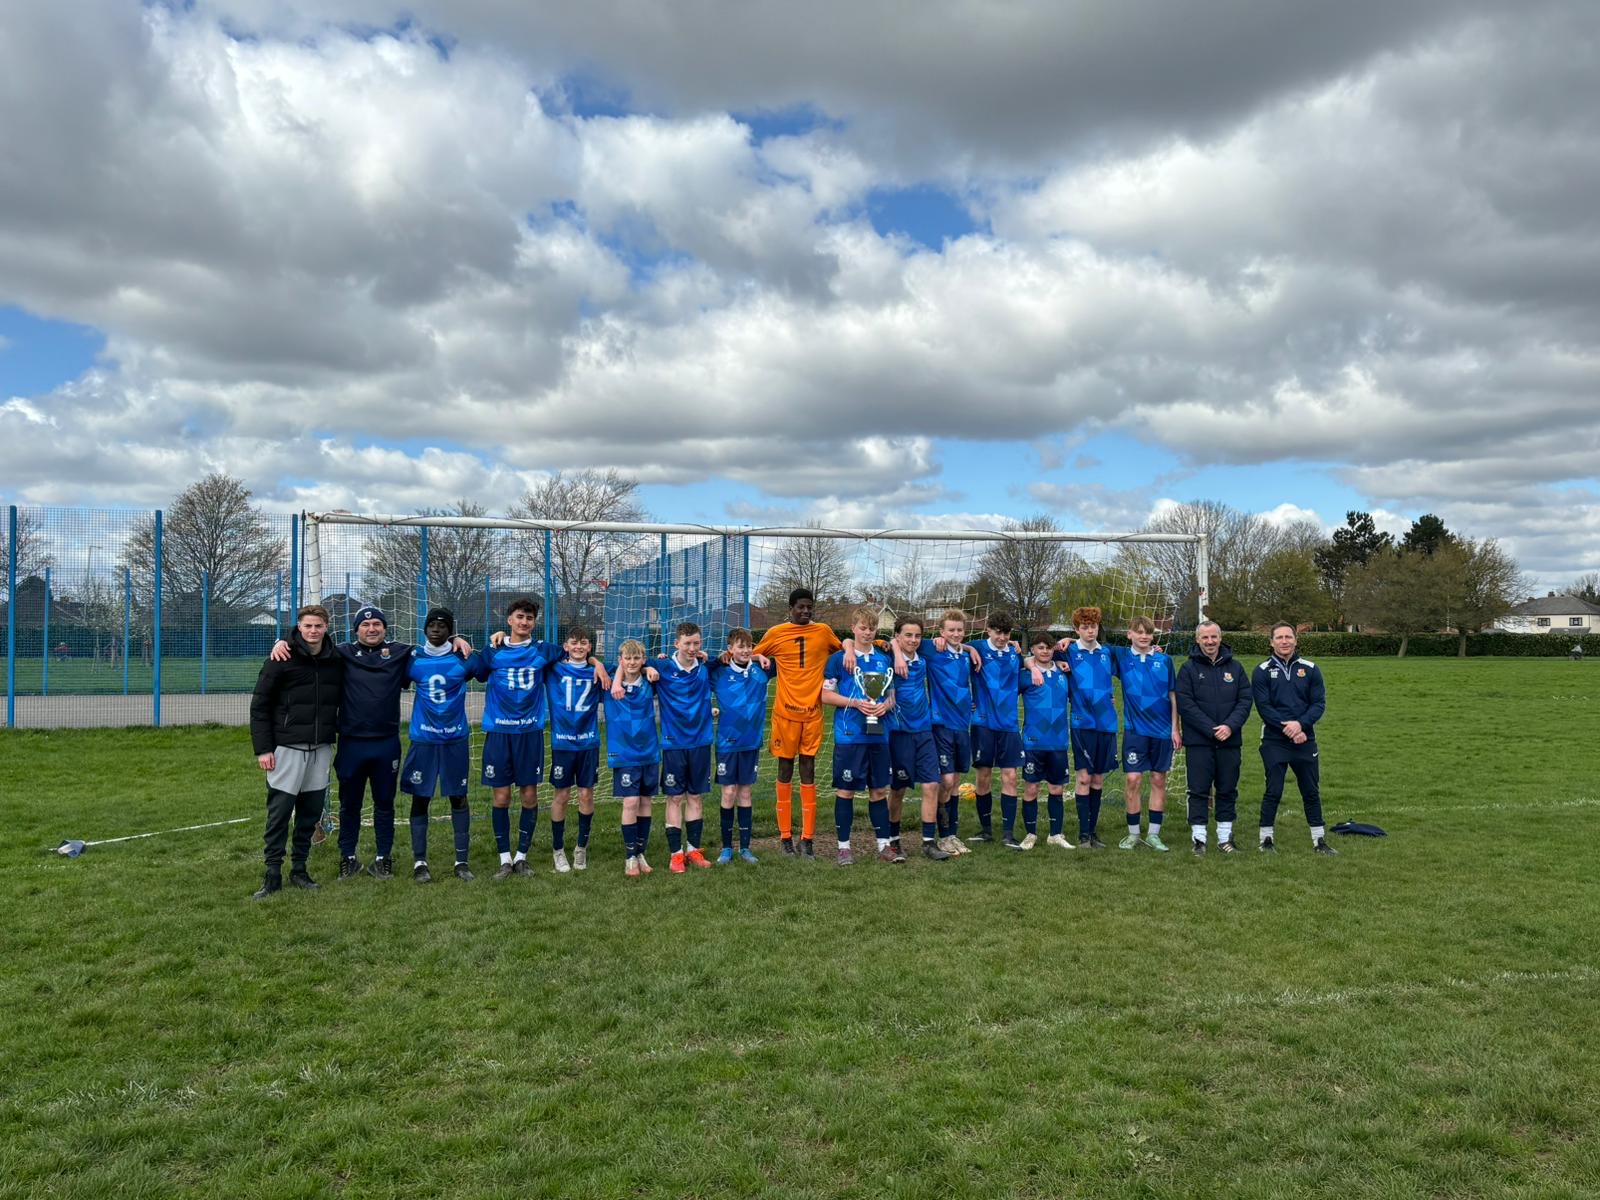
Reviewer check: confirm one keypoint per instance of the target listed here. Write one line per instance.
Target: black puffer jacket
(1212, 694)
(296, 703)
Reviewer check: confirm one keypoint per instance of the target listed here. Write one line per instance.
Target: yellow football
(967, 792)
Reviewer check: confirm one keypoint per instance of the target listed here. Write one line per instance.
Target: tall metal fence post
(723, 607)
(294, 564)
(349, 633)
(127, 623)
(155, 625)
(44, 640)
(11, 620)
(422, 587)
(549, 592)
(747, 581)
(277, 611)
(486, 617)
(205, 624)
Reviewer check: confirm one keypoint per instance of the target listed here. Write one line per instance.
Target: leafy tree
(1290, 588)
(1481, 584)
(1397, 592)
(1427, 535)
(1353, 543)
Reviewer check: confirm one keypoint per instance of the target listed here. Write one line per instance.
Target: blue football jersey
(1090, 684)
(913, 711)
(514, 699)
(684, 694)
(574, 699)
(849, 725)
(439, 703)
(995, 686)
(631, 725)
(1045, 721)
(741, 705)
(1148, 681)
(949, 684)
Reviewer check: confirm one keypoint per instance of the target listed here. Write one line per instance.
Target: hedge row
(1250, 643)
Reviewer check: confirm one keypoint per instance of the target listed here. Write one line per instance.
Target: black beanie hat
(441, 614)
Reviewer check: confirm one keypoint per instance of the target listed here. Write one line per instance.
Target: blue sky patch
(38, 355)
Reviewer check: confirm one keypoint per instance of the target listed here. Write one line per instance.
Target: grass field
(1413, 1018)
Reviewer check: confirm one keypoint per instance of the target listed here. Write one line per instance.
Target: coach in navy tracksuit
(1213, 704)
(1290, 698)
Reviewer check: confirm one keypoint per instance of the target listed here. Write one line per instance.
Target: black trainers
(464, 873)
(983, 835)
(788, 846)
(807, 848)
(931, 850)
(1199, 849)
(270, 885)
(1228, 847)
(381, 868)
(1011, 843)
(421, 874)
(504, 872)
(1095, 843)
(1268, 846)
(519, 866)
(302, 879)
(1322, 847)
(349, 868)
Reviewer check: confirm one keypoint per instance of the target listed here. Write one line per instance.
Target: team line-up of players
(949, 706)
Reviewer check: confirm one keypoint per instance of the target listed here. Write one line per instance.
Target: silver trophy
(874, 686)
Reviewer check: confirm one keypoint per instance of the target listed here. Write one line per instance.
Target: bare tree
(33, 547)
(1026, 571)
(210, 531)
(459, 559)
(579, 557)
(1586, 587)
(819, 564)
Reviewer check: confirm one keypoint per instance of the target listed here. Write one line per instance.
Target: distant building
(1554, 614)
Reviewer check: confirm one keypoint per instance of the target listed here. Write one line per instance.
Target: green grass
(1413, 1018)
(86, 676)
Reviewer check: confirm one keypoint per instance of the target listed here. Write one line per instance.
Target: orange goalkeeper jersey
(800, 652)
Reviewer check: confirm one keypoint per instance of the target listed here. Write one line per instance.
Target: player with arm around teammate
(740, 686)
(860, 747)
(1150, 730)
(1291, 699)
(1214, 698)
(996, 732)
(1092, 667)
(574, 687)
(683, 694)
(438, 758)
(633, 751)
(913, 757)
(800, 648)
(1046, 739)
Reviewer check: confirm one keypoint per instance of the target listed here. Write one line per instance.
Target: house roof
(1556, 606)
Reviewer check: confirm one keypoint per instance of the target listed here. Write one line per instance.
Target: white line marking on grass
(133, 837)
(1492, 806)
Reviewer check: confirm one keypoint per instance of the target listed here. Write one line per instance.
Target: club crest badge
(1301, 672)
(384, 653)
(1227, 677)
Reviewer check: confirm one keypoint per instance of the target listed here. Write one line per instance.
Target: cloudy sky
(789, 261)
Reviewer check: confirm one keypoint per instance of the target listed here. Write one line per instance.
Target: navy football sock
(558, 834)
(985, 811)
(584, 821)
(1030, 815)
(674, 839)
(1057, 807)
(930, 831)
(643, 838)
(727, 828)
(952, 814)
(1094, 809)
(1082, 799)
(526, 824)
(1155, 821)
(693, 831)
(878, 814)
(1008, 814)
(461, 826)
(630, 838)
(500, 822)
(844, 816)
(746, 822)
